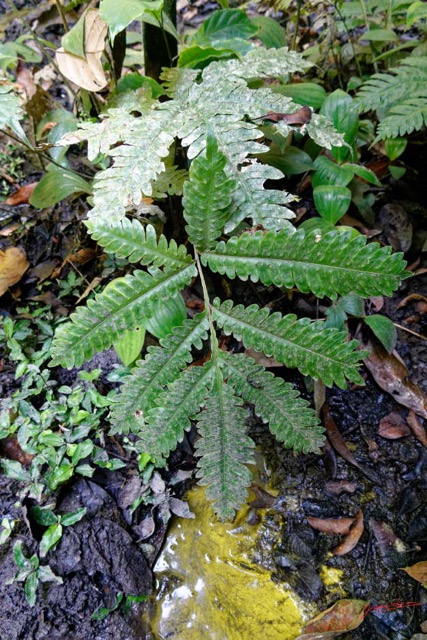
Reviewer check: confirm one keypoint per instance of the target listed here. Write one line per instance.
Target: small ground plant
(217, 117)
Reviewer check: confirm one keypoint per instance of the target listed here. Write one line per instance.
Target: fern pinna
(214, 114)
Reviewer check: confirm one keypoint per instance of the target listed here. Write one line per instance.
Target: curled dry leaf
(22, 196)
(343, 616)
(337, 487)
(393, 426)
(418, 571)
(87, 72)
(417, 428)
(339, 526)
(13, 265)
(392, 376)
(352, 538)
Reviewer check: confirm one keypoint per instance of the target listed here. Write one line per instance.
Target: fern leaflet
(317, 352)
(404, 118)
(121, 306)
(224, 449)
(207, 197)
(162, 365)
(289, 416)
(327, 265)
(130, 239)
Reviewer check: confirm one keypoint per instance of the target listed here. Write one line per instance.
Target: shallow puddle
(210, 589)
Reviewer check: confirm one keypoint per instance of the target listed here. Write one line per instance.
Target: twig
(62, 14)
(414, 333)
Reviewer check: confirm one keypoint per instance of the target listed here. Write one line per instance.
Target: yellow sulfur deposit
(217, 592)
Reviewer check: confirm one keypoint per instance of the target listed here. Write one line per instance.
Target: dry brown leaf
(337, 487)
(81, 256)
(410, 298)
(22, 196)
(9, 229)
(43, 270)
(417, 428)
(13, 265)
(353, 536)
(392, 376)
(393, 426)
(262, 359)
(343, 616)
(95, 282)
(418, 571)
(87, 72)
(338, 526)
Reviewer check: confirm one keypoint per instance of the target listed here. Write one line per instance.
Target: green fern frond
(121, 306)
(207, 197)
(317, 352)
(177, 81)
(327, 265)
(169, 182)
(224, 449)
(404, 118)
(383, 90)
(252, 200)
(162, 365)
(262, 63)
(131, 240)
(291, 420)
(177, 406)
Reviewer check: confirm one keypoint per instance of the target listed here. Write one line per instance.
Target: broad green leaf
(332, 202)
(224, 25)
(134, 81)
(166, 315)
(394, 147)
(69, 519)
(82, 450)
(11, 112)
(291, 162)
(384, 330)
(50, 538)
(45, 574)
(74, 40)
(118, 15)
(331, 173)
(269, 32)
(326, 264)
(44, 516)
(129, 345)
(363, 172)
(379, 35)
(30, 588)
(59, 475)
(14, 469)
(56, 185)
(341, 110)
(416, 11)
(20, 560)
(198, 57)
(306, 93)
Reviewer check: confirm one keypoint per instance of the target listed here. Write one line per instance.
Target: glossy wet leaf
(198, 57)
(50, 538)
(30, 588)
(332, 201)
(167, 314)
(339, 108)
(308, 93)
(129, 345)
(71, 518)
(352, 537)
(44, 516)
(343, 616)
(56, 185)
(328, 172)
(18, 554)
(384, 330)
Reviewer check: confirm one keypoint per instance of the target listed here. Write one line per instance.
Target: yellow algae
(217, 592)
(331, 577)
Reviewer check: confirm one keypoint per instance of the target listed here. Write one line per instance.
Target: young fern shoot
(162, 395)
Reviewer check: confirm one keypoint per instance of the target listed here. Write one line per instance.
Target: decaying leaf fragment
(86, 72)
(339, 526)
(353, 536)
(418, 571)
(344, 615)
(13, 265)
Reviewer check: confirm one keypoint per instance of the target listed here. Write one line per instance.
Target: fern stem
(213, 338)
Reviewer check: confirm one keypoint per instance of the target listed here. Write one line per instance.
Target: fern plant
(214, 113)
(400, 96)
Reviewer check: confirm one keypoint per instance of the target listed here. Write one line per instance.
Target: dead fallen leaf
(43, 270)
(88, 72)
(338, 526)
(13, 265)
(353, 536)
(22, 196)
(410, 298)
(393, 426)
(262, 359)
(9, 229)
(337, 487)
(91, 286)
(11, 449)
(392, 376)
(81, 256)
(340, 446)
(344, 615)
(389, 545)
(417, 428)
(25, 79)
(418, 571)
(377, 303)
